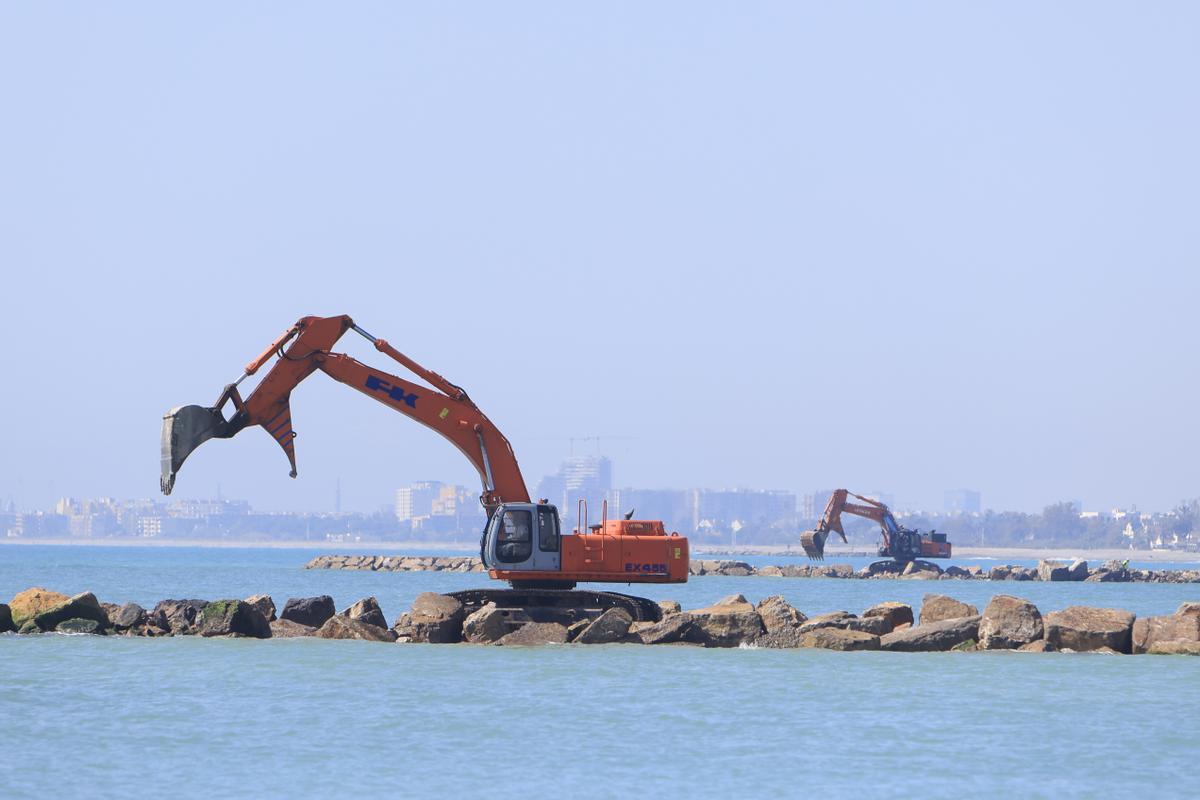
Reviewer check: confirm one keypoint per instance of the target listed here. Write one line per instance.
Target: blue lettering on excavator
(395, 392)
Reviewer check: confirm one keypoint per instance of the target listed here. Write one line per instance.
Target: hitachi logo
(394, 392)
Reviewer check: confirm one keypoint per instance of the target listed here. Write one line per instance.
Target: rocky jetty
(1108, 572)
(398, 563)
(941, 624)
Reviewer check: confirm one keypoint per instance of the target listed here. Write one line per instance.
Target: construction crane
(521, 543)
(900, 544)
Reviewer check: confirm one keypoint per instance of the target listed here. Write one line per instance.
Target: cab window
(514, 537)
(547, 530)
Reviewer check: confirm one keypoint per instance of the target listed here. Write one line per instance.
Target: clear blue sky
(781, 245)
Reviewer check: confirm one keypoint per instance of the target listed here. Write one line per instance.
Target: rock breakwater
(1108, 572)
(941, 624)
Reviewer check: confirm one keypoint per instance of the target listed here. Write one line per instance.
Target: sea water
(188, 717)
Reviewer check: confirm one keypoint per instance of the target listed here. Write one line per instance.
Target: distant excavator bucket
(813, 543)
(184, 429)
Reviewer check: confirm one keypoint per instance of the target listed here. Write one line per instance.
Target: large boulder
(1077, 570)
(286, 629)
(128, 616)
(1111, 571)
(28, 604)
(485, 625)
(921, 570)
(894, 614)
(535, 633)
(6, 620)
(934, 636)
(311, 611)
(264, 605)
(669, 607)
(834, 619)
(76, 625)
(367, 610)
(833, 571)
(81, 606)
(938, 607)
(840, 639)
(1083, 628)
(338, 627)
(1009, 623)
(781, 639)
(1174, 648)
(1188, 609)
(876, 626)
(1149, 631)
(179, 617)
(729, 623)
(671, 629)
(777, 614)
(611, 626)
(434, 618)
(233, 618)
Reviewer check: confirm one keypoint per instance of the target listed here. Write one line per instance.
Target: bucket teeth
(813, 543)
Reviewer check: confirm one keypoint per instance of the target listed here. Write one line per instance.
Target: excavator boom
(446, 408)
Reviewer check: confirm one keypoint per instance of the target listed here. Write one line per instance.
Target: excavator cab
(523, 537)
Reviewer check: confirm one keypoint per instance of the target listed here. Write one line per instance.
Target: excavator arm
(445, 408)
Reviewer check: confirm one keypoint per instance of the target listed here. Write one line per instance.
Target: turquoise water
(113, 717)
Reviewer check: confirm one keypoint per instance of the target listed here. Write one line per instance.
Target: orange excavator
(521, 543)
(900, 544)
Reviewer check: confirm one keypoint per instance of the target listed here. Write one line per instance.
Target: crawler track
(559, 604)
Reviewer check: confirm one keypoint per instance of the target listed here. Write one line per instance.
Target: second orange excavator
(900, 544)
(522, 542)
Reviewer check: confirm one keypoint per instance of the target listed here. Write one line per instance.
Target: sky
(897, 247)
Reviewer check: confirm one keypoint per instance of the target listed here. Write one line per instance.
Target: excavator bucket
(813, 543)
(184, 429)
(187, 427)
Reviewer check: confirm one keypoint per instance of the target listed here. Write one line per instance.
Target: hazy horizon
(899, 248)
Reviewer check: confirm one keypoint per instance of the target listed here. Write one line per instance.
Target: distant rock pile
(1108, 572)
(941, 624)
(398, 563)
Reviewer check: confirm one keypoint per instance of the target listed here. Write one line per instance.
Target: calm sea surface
(186, 717)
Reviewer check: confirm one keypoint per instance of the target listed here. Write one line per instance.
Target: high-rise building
(672, 506)
(962, 501)
(416, 500)
(581, 477)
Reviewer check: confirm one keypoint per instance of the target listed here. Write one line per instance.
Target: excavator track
(556, 605)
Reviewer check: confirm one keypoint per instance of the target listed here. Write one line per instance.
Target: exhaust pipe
(183, 430)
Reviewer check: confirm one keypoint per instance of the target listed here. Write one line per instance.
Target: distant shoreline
(831, 553)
